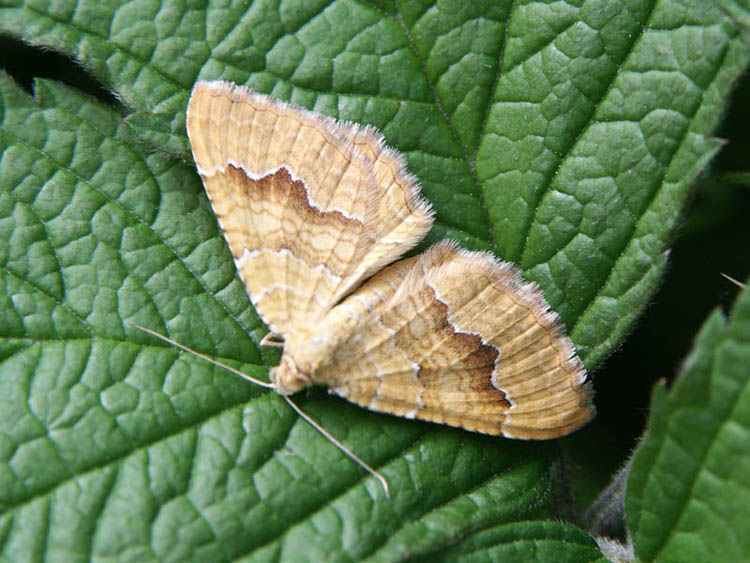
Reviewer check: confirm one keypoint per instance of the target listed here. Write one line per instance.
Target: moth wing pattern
(458, 338)
(309, 206)
(317, 213)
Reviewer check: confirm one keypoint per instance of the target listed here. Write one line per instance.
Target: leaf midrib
(586, 124)
(636, 224)
(730, 411)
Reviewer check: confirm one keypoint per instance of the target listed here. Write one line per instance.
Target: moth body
(288, 377)
(318, 214)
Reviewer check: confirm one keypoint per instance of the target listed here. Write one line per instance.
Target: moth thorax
(288, 378)
(304, 353)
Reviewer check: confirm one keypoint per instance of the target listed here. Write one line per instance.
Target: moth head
(288, 377)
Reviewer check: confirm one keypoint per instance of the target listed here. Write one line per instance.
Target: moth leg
(272, 340)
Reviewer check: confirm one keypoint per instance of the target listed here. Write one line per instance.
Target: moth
(317, 214)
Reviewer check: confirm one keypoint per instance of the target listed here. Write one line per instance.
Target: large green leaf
(115, 446)
(688, 495)
(563, 136)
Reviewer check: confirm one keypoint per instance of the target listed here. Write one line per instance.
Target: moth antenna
(734, 281)
(306, 417)
(328, 436)
(210, 360)
(272, 340)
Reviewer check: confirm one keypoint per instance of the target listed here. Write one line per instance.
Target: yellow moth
(317, 214)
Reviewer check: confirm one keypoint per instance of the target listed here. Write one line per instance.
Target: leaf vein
(629, 239)
(107, 40)
(135, 218)
(329, 501)
(586, 125)
(684, 500)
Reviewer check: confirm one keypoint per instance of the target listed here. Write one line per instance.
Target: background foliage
(562, 135)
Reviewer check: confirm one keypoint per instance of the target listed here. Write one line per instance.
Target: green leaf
(100, 425)
(563, 136)
(524, 541)
(688, 496)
